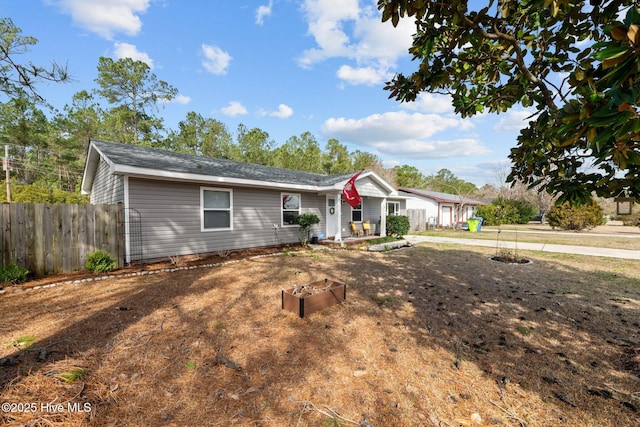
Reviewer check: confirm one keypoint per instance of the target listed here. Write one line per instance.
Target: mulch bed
(181, 262)
(428, 336)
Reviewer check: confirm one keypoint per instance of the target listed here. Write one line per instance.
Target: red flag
(350, 193)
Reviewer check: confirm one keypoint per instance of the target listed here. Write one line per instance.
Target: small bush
(575, 217)
(35, 193)
(630, 220)
(305, 221)
(506, 211)
(397, 225)
(13, 274)
(100, 262)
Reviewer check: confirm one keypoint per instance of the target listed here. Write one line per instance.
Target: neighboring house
(442, 209)
(180, 204)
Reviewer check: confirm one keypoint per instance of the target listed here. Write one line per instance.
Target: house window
(356, 213)
(393, 208)
(290, 208)
(217, 209)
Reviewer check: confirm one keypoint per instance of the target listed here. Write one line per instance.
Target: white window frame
(282, 209)
(361, 210)
(397, 208)
(203, 209)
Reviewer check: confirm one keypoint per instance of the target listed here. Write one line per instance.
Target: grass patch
(523, 330)
(382, 299)
(381, 240)
(24, 341)
(73, 375)
(219, 325)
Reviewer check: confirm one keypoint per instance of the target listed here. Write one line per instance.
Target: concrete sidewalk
(566, 249)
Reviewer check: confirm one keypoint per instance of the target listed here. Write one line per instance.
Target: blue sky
(286, 67)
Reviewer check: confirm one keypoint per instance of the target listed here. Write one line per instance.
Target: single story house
(181, 204)
(442, 209)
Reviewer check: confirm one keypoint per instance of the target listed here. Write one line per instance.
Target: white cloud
(263, 11)
(181, 99)
(483, 173)
(390, 164)
(364, 75)
(216, 61)
(283, 112)
(344, 29)
(126, 50)
(400, 134)
(431, 149)
(514, 120)
(325, 20)
(234, 108)
(106, 18)
(429, 103)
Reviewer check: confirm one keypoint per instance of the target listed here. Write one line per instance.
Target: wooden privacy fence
(56, 238)
(417, 219)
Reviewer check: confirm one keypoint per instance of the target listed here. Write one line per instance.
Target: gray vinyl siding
(170, 218)
(370, 211)
(366, 187)
(315, 204)
(107, 189)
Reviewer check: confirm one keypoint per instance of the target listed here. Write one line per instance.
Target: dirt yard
(428, 336)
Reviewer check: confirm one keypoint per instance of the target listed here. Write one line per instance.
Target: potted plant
(305, 221)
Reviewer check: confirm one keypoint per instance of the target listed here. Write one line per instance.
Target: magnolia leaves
(628, 34)
(592, 143)
(491, 56)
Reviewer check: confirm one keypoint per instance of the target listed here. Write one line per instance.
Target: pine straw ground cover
(430, 335)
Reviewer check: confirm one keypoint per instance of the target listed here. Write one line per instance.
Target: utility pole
(6, 165)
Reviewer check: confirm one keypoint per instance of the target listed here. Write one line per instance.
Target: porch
(377, 200)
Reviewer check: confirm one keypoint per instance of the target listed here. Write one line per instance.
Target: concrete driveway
(566, 249)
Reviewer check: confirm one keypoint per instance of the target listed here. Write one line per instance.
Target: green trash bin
(473, 225)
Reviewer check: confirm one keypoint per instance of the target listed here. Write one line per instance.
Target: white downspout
(338, 237)
(127, 237)
(383, 218)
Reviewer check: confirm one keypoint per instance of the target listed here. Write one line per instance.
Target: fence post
(39, 255)
(5, 223)
(120, 227)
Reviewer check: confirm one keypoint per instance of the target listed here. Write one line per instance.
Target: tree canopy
(571, 62)
(446, 182)
(409, 177)
(18, 79)
(134, 89)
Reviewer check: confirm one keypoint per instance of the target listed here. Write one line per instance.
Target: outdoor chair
(366, 227)
(355, 231)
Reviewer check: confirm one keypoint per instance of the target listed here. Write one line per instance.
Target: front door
(333, 222)
(446, 216)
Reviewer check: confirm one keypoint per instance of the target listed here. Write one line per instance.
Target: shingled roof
(125, 158)
(440, 197)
